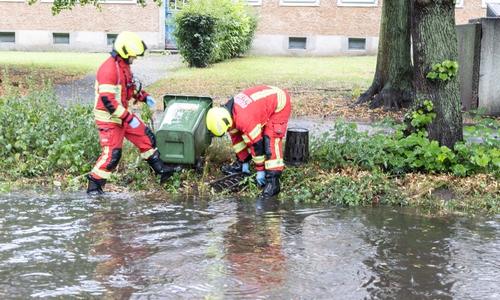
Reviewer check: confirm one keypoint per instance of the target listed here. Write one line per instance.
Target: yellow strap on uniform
(278, 162)
(280, 94)
(263, 94)
(281, 100)
(259, 159)
(107, 88)
(104, 116)
(104, 157)
(255, 132)
(239, 147)
(274, 163)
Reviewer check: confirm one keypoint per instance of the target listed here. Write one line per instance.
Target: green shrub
(210, 31)
(391, 150)
(40, 137)
(195, 38)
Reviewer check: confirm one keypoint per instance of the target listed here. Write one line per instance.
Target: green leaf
(444, 76)
(481, 161)
(432, 75)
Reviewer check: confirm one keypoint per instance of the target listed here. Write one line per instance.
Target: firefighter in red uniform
(115, 86)
(256, 120)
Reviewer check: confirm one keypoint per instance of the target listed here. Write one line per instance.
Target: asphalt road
(148, 69)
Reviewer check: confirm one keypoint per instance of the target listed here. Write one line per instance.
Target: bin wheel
(199, 165)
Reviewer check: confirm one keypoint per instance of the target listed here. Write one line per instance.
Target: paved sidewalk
(148, 69)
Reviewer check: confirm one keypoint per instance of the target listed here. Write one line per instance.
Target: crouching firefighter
(114, 88)
(256, 120)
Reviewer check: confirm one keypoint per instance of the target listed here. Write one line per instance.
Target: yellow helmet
(218, 120)
(129, 44)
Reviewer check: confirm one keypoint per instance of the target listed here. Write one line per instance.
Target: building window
(489, 1)
(111, 37)
(357, 3)
(61, 38)
(297, 43)
(299, 2)
(356, 44)
(7, 37)
(254, 2)
(459, 3)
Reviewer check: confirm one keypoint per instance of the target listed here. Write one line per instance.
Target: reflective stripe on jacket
(113, 89)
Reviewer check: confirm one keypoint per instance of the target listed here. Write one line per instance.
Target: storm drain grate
(230, 182)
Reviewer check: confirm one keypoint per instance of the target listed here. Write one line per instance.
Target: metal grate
(230, 182)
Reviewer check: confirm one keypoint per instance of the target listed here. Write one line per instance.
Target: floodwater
(117, 247)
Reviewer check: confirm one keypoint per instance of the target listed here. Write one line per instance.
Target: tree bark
(434, 41)
(392, 83)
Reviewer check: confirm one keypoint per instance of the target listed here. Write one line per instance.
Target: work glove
(150, 101)
(140, 96)
(244, 168)
(134, 123)
(261, 177)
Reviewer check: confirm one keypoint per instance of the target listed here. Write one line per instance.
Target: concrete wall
(469, 47)
(489, 69)
(479, 65)
(278, 45)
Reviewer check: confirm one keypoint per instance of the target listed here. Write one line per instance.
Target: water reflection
(253, 249)
(113, 235)
(117, 247)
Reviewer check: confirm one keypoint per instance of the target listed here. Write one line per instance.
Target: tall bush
(195, 37)
(210, 31)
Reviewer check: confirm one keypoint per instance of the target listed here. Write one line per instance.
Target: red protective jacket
(114, 88)
(260, 115)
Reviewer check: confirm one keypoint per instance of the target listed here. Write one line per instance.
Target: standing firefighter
(256, 120)
(114, 87)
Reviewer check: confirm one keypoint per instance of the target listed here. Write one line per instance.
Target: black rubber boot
(160, 169)
(95, 186)
(232, 169)
(272, 186)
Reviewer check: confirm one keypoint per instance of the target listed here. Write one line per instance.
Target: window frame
(363, 3)
(299, 2)
(355, 39)
(60, 35)
(483, 4)
(298, 40)
(254, 2)
(9, 32)
(108, 35)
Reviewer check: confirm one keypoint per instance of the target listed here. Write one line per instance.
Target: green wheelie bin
(182, 135)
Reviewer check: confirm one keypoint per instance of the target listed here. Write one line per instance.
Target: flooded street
(115, 247)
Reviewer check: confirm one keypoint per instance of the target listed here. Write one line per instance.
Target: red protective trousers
(111, 138)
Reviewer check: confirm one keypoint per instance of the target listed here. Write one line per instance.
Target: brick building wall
(324, 28)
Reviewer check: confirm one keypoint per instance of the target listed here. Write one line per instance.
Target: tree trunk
(434, 41)
(392, 83)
